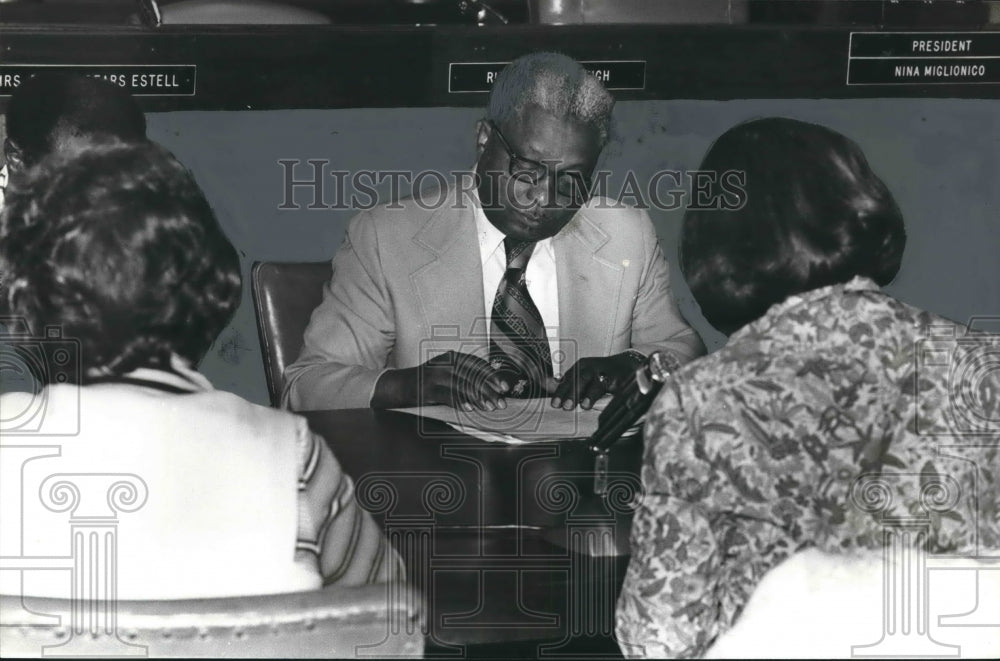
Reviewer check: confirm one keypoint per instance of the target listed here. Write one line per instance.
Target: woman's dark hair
(117, 245)
(811, 214)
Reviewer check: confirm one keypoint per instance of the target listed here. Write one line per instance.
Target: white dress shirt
(540, 277)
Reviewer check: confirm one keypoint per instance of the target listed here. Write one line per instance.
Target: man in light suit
(514, 279)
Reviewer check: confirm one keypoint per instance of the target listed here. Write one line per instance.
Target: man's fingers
(595, 389)
(482, 395)
(478, 370)
(484, 390)
(465, 381)
(474, 381)
(468, 398)
(572, 387)
(565, 390)
(588, 384)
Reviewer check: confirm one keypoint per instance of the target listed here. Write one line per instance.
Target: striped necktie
(519, 347)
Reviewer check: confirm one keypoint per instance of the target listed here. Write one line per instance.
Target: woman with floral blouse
(833, 410)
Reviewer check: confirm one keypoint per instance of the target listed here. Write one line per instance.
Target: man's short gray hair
(556, 83)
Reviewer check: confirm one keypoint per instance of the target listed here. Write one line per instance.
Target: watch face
(662, 364)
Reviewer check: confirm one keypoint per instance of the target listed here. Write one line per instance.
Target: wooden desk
(508, 544)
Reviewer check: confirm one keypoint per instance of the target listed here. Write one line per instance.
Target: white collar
(491, 239)
(180, 375)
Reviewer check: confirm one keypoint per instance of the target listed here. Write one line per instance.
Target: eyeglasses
(570, 186)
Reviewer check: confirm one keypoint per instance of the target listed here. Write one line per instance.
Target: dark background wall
(940, 157)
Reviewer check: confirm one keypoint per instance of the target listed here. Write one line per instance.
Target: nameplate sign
(137, 79)
(924, 58)
(615, 74)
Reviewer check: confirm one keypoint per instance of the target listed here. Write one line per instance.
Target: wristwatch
(660, 366)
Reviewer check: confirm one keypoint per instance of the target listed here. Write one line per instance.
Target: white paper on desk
(523, 421)
(495, 437)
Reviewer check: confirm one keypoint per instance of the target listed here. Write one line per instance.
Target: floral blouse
(814, 426)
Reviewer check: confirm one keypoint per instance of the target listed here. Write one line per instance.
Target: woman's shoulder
(247, 413)
(841, 312)
(795, 354)
(207, 414)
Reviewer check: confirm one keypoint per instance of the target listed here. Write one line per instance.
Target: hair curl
(815, 214)
(117, 245)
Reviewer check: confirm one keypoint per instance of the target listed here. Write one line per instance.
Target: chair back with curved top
(335, 622)
(284, 297)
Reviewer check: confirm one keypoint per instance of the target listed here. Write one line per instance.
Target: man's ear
(483, 133)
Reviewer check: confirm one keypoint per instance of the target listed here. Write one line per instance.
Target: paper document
(523, 421)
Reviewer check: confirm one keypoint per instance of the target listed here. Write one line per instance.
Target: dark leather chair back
(333, 622)
(284, 297)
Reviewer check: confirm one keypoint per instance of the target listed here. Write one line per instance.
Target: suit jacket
(407, 285)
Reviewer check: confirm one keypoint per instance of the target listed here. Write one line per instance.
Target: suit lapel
(449, 285)
(589, 287)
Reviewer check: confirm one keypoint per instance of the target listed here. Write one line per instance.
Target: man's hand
(452, 378)
(592, 378)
